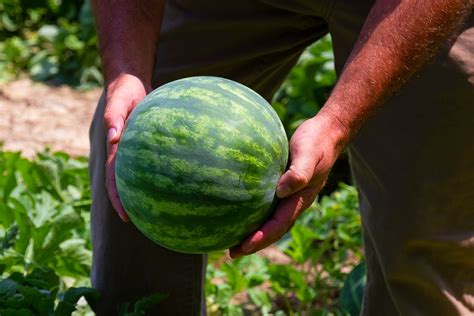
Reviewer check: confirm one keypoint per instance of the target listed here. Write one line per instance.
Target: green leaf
(223, 294)
(39, 301)
(74, 258)
(260, 298)
(72, 296)
(57, 230)
(144, 304)
(44, 208)
(35, 15)
(17, 277)
(8, 23)
(7, 217)
(43, 279)
(8, 181)
(287, 277)
(16, 312)
(53, 5)
(9, 239)
(8, 287)
(73, 42)
(141, 306)
(16, 50)
(44, 68)
(301, 246)
(49, 170)
(85, 15)
(64, 309)
(353, 290)
(235, 278)
(48, 32)
(19, 204)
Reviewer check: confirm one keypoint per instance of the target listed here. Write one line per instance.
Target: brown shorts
(413, 163)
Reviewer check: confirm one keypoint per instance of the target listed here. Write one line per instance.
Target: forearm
(398, 37)
(128, 36)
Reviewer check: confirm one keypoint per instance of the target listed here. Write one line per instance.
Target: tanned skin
(398, 37)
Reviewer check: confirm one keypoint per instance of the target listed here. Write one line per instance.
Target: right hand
(123, 93)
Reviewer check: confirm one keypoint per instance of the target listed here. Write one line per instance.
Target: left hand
(314, 148)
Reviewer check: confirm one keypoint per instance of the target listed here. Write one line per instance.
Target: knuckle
(108, 118)
(115, 116)
(299, 178)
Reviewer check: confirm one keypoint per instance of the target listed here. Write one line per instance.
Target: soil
(35, 115)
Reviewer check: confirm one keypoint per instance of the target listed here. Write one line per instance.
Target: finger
(281, 221)
(111, 184)
(293, 180)
(300, 174)
(116, 111)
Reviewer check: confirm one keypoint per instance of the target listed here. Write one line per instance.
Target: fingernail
(111, 133)
(123, 217)
(283, 191)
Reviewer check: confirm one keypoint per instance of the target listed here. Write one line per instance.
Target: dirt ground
(34, 115)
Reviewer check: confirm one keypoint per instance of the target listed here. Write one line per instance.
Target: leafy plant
(325, 242)
(141, 306)
(353, 290)
(322, 247)
(49, 40)
(44, 227)
(45, 202)
(234, 277)
(36, 293)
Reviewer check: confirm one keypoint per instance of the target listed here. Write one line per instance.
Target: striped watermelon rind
(198, 164)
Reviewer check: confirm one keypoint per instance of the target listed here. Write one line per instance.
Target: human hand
(314, 148)
(123, 93)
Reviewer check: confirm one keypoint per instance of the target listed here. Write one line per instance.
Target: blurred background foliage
(45, 247)
(50, 40)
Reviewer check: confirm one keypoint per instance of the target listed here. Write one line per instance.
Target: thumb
(115, 114)
(297, 177)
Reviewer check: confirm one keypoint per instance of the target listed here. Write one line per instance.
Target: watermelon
(198, 164)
